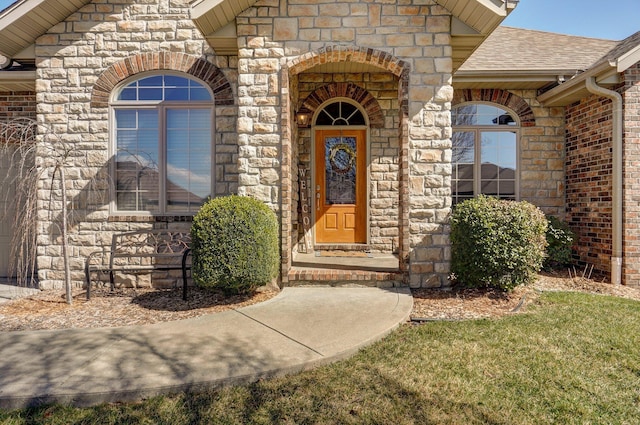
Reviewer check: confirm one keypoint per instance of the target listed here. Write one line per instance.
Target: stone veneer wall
(384, 151)
(541, 145)
(71, 57)
(589, 179)
(631, 158)
(17, 104)
(415, 36)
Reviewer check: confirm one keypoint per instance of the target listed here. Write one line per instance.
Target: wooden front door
(341, 186)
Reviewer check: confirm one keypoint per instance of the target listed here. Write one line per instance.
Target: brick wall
(17, 104)
(589, 179)
(631, 214)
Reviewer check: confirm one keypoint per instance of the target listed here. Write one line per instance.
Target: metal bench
(138, 251)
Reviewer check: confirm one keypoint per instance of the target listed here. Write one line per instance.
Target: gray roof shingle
(516, 49)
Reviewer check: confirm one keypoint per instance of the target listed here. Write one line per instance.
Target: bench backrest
(149, 244)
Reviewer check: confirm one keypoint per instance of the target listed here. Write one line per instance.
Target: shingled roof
(516, 49)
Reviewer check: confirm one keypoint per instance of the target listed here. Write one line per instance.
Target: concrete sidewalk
(11, 292)
(300, 328)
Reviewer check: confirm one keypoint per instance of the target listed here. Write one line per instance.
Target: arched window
(340, 113)
(162, 144)
(485, 152)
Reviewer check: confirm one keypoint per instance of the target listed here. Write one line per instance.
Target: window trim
(161, 106)
(497, 128)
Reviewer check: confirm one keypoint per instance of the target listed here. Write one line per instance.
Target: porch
(342, 268)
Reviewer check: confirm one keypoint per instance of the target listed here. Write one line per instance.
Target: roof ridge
(557, 33)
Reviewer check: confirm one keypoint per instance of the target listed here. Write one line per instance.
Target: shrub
(235, 244)
(496, 243)
(559, 241)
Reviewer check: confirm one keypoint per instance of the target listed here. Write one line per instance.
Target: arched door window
(485, 152)
(340, 113)
(162, 144)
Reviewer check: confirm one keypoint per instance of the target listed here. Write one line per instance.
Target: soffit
(481, 15)
(17, 81)
(213, 15)
(24, 21)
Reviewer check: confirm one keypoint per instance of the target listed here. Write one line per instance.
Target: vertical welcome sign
(305, 213)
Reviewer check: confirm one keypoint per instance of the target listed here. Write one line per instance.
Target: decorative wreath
(339, 163)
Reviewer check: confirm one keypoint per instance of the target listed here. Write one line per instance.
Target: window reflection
(478, 143)
(163, 150)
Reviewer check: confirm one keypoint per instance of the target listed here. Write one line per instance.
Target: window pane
(137, 168)
(126, 118)
(188, 158)
(178, 119)
(176, 93)
(150, 94)
(463, 147)
(465, 171)
(130, 93)
(200, 94)
(154, 81)
(480, 114)
(175, 81)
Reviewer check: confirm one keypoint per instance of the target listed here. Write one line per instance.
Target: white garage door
(6, 205)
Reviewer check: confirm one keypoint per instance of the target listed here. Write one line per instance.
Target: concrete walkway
(300, 328)
(11, 292)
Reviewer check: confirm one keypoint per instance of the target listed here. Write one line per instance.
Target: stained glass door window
(340, 170)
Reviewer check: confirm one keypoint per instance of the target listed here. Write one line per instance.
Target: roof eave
(512, 79)
(472, 22)
(26, 20)
(573, 90)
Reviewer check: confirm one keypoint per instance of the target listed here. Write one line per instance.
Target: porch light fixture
(303, 118)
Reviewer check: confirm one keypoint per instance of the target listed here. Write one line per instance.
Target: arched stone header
(349, 91)
(500, 97)
(155, 61)
(332, 54)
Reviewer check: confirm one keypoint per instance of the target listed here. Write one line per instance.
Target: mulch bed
(125, 307)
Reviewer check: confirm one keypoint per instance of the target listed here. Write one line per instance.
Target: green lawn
(571, 359)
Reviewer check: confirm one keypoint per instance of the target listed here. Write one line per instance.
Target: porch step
(338, 277)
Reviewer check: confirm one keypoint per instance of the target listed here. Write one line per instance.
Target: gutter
(616, 98)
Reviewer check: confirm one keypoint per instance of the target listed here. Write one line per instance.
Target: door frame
(313, 171)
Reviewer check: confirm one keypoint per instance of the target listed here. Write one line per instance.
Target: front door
(341, 186)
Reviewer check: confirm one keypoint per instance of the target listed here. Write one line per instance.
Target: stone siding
(407, 38)
(631, 158)
(71, 57)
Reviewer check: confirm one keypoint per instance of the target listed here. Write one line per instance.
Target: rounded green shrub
(496, 243)
(235, 244)
(559, 242)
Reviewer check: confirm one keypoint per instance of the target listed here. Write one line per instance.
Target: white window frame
(478, 130)
(161, 106)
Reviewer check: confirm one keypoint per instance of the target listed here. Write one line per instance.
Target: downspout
(616, 251)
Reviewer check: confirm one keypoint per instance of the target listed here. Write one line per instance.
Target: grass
(572, 359)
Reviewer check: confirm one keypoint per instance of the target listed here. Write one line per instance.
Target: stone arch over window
(349, 91)
(500, 97)
(157, 61)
